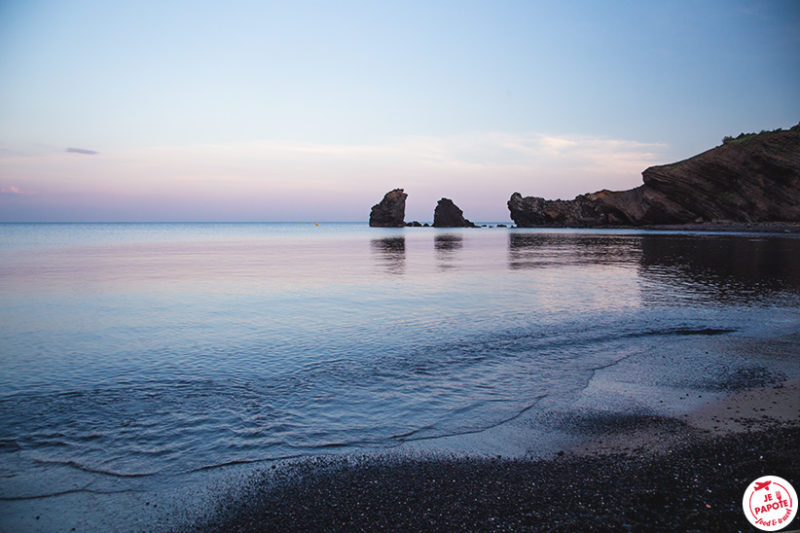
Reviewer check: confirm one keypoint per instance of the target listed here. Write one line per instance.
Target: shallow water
(152, 361)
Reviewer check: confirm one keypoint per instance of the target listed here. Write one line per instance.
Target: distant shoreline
(732, 227)
(742, 227)
(721, 226)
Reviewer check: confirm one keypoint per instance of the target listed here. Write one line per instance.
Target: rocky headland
(448, 215)
(390, 212)
(754, 178)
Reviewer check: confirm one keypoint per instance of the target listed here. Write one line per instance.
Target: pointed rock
(448, 215)
(390, 212)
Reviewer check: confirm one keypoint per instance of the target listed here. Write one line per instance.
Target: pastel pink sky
(280, 111)
(275, 181)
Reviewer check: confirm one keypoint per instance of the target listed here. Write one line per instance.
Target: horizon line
(221, 222)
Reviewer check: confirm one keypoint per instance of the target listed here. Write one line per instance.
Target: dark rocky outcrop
(754, 178)
(448, 215)
(391, 211)
(585, 210)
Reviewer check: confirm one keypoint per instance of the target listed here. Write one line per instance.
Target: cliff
(753, 178)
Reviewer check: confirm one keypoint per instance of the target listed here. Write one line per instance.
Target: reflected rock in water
(390, 253)
(722, 267)
(447, 246)
(540, 250)
(447, 243)
(676, 267)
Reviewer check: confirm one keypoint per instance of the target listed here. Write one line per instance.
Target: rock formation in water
(752, 178)
(448, 215)
(391, 211)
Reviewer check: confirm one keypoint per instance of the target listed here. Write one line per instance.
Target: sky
(311, 111)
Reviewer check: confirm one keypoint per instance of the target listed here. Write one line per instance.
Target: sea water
(159, 363)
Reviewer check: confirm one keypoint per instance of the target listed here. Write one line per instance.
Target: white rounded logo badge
(770, 503)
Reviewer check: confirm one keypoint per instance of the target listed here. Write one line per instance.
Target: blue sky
(312, 110)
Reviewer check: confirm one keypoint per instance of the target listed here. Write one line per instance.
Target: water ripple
(126, 359)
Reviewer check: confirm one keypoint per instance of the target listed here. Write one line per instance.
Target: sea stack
(390, 212)
(750, 178)
(448, 215)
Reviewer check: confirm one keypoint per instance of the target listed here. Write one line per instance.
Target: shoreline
(766, 408)
(734, 227)
(663, 474)
(711, 227)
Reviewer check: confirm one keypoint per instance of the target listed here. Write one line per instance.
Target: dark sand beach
(632, 474)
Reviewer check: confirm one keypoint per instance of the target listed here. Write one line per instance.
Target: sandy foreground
(658, 474)
(771, 408)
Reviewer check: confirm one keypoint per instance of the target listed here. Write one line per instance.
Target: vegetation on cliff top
(744, 136)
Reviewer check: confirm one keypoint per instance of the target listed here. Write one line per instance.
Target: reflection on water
(724, 268)
(391, 253)
(447, 246)
(543, 250)
(689, 267)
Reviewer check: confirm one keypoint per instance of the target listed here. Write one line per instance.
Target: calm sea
(147, 363)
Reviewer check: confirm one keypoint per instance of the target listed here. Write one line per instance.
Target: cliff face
(755, 178)
(389, 212)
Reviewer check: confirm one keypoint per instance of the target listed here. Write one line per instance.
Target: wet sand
(651, 474)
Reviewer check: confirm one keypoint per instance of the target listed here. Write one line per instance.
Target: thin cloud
(479, 170)
(487, 152)
(12, 190)
(81, 151)
(533, 162)
(15, 150)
